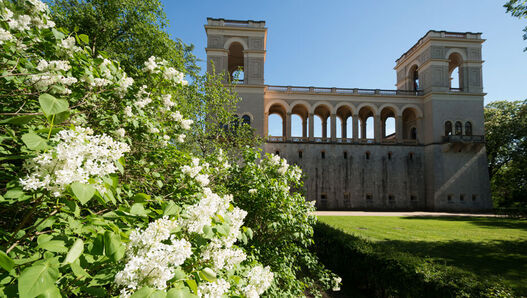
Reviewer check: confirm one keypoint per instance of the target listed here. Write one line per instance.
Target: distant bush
(380, 273)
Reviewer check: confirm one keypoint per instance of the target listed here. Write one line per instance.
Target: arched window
(235, 62)
(468, 128)
(448, 128)
(246, 119)
(414, 78)
(458, 128)
(454, 69)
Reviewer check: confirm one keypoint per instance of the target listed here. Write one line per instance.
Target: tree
(130, 31)
(506, 141)
(518, 8)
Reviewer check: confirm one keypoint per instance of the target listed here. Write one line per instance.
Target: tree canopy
(130, 31)
(518, 8)
(506, 141)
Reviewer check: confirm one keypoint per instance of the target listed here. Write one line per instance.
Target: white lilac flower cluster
(214, 289)
(152, 256)
(197, 216)
(23, 22)
(193, 171)
(283, 167)
(78, 156)
(260, 279)
(154, 65)
(52, 73)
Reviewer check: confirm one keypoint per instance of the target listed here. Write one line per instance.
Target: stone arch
(458, 51)
(370, 105)
(280, 108)
(236, 61)
(301, 109)
(413, 77)
(277, 101)
(344, 112)
(418, 111)
(232, 40)
(326, 103)
(455, 70)
(323, 110)
(388, 111)
(365, 111)
(410, 123)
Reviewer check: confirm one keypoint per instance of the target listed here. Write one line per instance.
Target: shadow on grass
(487, 222)
(493, 260)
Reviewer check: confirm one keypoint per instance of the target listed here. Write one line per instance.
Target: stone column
(377, 128)
(324, 128)
(343, 127)
(333, 127)
(362, 129)
(311, 127)
(420, 130)
(355, 127)
(287, 127)
(304, 127)
(266, 124)
(399, 129)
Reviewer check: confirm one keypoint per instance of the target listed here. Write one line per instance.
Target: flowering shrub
(103, 189)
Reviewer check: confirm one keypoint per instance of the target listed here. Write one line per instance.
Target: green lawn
(488, 247)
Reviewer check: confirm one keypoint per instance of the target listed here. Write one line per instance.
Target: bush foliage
(380, 273)
(116, 184)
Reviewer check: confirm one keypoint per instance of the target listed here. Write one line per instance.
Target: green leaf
(51, 105)
(113, 248)
(180, 293)
(83, 192)
(171, 209)
(58, 34)
(208, 274)
(15, 193)
(85, 39)
(192, 285)
(20, 120)
(179, 274)
(78, 271)
(75, 251)
(52, 292)
(37, 279)
(54, 246)
(6, 262)
(34, 141)
(147, 292)
(138, 209)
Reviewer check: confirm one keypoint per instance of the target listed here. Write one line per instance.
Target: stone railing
(354, 91)
(463, 139)
(319, 140)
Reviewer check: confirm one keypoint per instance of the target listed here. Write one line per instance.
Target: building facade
(432, 158)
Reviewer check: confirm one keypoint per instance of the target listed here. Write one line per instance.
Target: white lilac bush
(80, 138)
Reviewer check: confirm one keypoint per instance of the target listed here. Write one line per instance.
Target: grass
(492, 248)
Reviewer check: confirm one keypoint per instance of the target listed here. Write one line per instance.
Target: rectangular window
(345, 155)
(300, 154)
(369, 197)
(391, 198)
(449, 198)
(474, 197)
(462, 197)
(323, 201)
(323, 154)
(413, 198)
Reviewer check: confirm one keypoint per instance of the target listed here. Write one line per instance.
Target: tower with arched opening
(413, 148)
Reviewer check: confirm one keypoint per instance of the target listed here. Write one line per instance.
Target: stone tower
(238, 49)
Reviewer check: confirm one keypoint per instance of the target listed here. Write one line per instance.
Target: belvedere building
(435, 157)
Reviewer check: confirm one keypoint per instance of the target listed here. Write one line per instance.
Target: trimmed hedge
(376, 272)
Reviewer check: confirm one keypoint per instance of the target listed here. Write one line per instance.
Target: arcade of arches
(322, 122)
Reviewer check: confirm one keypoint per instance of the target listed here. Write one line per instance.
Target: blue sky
(355, 43)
